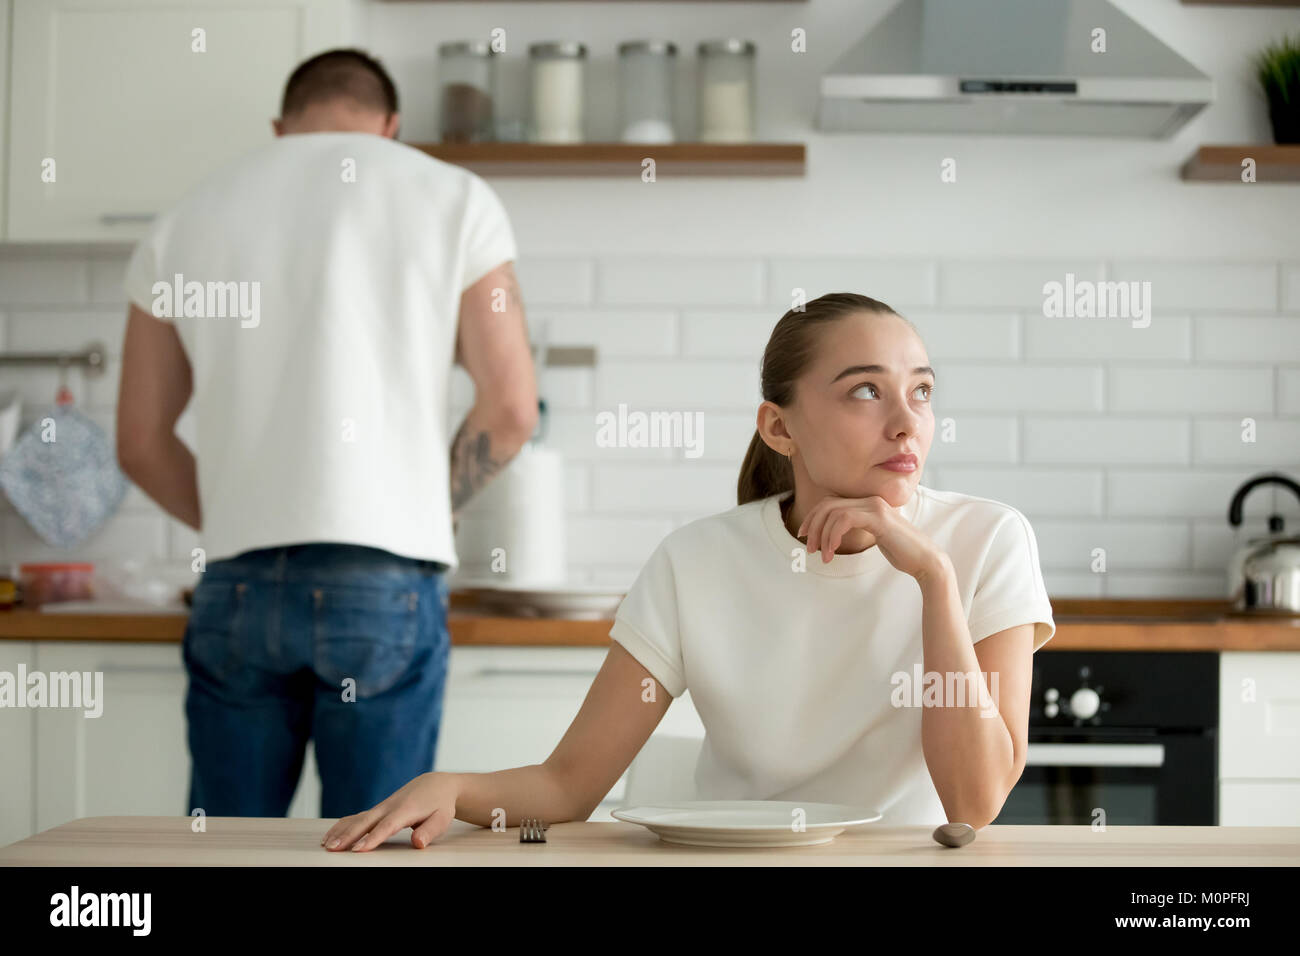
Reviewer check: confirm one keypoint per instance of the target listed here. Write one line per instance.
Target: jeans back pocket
(365, 633)
(214, 636)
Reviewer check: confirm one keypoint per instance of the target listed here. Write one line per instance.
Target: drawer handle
(532, 672)
(113, 218)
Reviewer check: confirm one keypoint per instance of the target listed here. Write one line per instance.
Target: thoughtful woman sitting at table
(794, 618)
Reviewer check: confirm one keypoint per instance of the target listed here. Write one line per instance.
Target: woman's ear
(772, 429)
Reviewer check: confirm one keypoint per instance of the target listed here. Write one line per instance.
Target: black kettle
(1264, 575)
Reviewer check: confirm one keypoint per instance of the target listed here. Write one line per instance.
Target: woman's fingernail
(333, 843)
(356, 847)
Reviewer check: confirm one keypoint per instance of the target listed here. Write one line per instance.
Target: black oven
(1131, 733)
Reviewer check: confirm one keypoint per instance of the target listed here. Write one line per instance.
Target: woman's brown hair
(789, 351)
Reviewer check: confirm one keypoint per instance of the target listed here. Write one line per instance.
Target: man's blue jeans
(341, 644)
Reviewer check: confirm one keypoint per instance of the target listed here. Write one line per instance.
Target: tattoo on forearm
(513, 295)
(472, 465)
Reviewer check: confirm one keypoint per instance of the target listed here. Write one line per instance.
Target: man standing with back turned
(329, 280)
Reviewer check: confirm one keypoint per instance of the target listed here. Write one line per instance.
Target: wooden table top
(259, 841)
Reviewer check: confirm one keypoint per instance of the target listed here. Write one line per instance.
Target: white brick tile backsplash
(106, 273)
(574, 434)
(565, 387)
(1204, 492)
(1215, 542)
(1167, 337)
(679, 281)
(1064, 584)
(1240, 338)
(1208, 390)
(998, 388)
(614, 334)
(968, 336)
(980, 284)
(126, 534)
(1129, 584)
(1288, 391)
(899, 284)
(689, 385)
(181, 541)
(1202, 286)
(601, 540)
(1054, 492)
(555, 281)
(727, 436)
(716, 334)
(1103, 441)
(629, 488)
(1218, 441)
(1068, 545)
(978, 439)
(60, 331)
(1087, 426)
(42, 279)
(1291, 287)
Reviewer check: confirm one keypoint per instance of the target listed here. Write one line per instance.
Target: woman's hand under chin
(903, 545)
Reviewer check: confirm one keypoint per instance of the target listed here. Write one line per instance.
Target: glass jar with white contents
(558, 91)
(727, 105)
(646, 69)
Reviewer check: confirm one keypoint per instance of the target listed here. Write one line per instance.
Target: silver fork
(532, 830)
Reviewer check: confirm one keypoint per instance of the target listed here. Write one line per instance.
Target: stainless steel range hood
(1011, 66)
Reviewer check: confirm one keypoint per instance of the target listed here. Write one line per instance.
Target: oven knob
(1051, 710)
(1084, 703)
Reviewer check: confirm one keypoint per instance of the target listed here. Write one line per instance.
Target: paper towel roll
(521, 510)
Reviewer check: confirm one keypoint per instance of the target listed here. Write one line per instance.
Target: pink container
(49, 583)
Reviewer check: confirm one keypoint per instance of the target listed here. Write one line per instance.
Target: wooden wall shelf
(622, 159)
(1273, 164)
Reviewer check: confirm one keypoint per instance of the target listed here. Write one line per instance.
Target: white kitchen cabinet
(130, 760)
(1259, 739)
(115, 95)
(17, 752)
(5, 7)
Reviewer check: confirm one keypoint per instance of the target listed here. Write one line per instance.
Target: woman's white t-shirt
(793, 671)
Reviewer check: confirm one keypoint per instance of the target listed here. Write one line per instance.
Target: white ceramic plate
(746, 822)
(576, 602)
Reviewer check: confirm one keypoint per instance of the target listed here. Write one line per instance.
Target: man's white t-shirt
(321, 398)
(792, 672)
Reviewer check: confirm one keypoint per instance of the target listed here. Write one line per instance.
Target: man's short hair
(340, 74)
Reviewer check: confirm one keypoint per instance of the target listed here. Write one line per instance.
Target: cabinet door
(1259, 715)
(17, 752)
(116, 95)
(130, 760)
(4, 98)
(1259, 803)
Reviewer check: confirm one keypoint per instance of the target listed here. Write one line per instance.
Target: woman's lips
(905, 465)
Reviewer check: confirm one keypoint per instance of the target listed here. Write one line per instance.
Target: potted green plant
(1278, 69)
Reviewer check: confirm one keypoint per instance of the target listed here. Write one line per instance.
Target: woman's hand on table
(904, 546)
(427, 805)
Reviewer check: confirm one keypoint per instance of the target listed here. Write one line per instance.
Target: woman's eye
(928, 389)
(860, 387)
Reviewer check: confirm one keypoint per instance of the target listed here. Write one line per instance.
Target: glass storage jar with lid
(467, 73)
(558, 95)
(646, 69)
(726, 91)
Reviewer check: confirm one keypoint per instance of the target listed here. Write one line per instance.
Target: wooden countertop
(251, 841)
(1081, 624)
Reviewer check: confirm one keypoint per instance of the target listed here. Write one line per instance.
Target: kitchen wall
(1104, 435)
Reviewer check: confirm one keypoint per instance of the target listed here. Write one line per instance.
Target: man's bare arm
(492, 345)
(155, 388)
